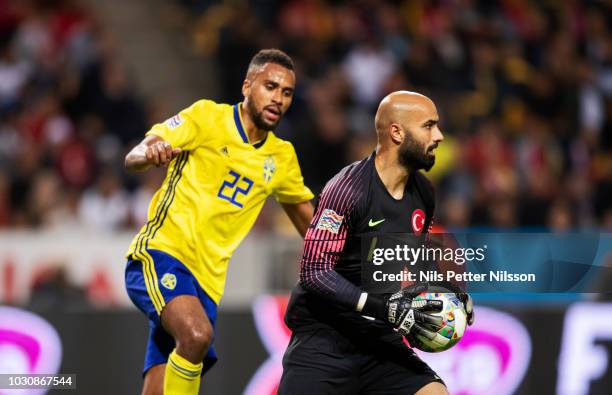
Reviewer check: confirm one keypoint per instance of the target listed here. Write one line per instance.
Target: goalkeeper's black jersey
(354, 203)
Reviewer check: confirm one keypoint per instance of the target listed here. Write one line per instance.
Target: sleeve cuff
(374, 306)
(295, 199)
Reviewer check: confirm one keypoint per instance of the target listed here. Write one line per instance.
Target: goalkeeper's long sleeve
(324, 244)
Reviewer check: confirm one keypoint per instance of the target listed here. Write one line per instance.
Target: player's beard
(258, 118)
(415, 156)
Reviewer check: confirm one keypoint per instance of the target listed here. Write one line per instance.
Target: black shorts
(323, 361)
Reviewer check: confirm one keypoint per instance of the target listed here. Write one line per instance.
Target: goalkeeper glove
(464, 297)
(468, 305)
(404, 313)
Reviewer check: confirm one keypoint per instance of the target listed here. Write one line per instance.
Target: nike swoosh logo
(374, 223)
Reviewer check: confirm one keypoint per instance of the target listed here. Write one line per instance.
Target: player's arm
(324, 244)
(300, 215)
(186, 131)
(293, 195)
(152, 151)
(317, 275)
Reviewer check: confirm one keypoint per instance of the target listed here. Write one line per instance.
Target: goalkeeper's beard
(414, 156)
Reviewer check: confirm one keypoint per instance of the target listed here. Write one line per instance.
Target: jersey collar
(240, 127)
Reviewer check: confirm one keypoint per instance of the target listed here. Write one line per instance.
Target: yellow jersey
(213, 192)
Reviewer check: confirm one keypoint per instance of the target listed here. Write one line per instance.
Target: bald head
(407, 125)
(400, 107)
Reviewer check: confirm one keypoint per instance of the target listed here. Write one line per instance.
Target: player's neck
(254, 134)
(393, 175)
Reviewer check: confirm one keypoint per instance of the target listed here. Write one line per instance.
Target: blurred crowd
(524, 91)
(68, 113)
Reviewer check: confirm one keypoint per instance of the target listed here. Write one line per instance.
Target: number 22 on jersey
(231, 190)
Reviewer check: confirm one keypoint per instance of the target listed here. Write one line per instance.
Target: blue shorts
(173, 279)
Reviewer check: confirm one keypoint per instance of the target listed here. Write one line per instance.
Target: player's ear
(396, 133)
(246, 87)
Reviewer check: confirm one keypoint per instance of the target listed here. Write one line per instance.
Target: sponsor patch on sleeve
(175, 121)
(330, 221)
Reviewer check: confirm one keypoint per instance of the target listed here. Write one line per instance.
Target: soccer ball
(454, 321)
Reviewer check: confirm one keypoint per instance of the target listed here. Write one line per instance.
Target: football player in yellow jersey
(223, 162)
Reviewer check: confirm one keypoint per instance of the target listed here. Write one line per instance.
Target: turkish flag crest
(418, 221)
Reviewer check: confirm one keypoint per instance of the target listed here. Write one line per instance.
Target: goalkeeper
(334, 349)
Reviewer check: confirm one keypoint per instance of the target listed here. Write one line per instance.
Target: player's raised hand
(151, 151)
(161, 153)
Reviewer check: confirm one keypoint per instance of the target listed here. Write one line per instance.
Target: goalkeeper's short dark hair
(271, 55)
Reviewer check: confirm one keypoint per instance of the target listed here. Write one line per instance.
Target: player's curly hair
(271, 55)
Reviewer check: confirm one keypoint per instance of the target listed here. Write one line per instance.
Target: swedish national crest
(269, 168)
(168, 280)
